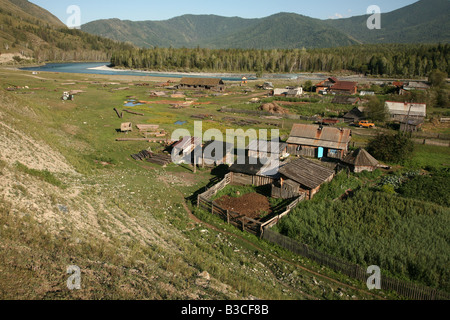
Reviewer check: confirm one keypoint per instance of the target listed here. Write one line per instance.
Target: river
(103, 69)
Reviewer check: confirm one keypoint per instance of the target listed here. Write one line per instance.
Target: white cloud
(336, 16)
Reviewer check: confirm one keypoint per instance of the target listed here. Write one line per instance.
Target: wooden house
(335, 85)
(267, 149)
(202, 84)
(317, 141)
(301, 176)
(355, 115)
(360, 160)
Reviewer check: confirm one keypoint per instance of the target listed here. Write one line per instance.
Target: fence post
(228, 216)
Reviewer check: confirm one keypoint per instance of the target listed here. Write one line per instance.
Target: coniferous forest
(390, 60)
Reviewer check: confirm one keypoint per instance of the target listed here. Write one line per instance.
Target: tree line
(386, 59)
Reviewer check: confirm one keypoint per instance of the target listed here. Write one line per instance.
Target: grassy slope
(123, 224)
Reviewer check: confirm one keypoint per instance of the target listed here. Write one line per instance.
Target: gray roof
(269, 146)
(306, 173)
(361, 158)
(317, 136)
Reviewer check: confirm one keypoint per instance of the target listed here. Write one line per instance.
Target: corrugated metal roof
(327, 137)
(306, 173)
(405, 108)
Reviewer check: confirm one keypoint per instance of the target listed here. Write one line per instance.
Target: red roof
(344, 85)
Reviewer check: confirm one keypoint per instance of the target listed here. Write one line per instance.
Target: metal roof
(405, 108)
(317, 136)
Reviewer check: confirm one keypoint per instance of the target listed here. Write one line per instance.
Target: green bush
(406, 238)
(434, 188)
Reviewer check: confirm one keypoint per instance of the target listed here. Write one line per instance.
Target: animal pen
(240, 221)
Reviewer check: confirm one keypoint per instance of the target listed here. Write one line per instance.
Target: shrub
(391, 148)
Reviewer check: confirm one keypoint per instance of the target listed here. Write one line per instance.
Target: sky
(139, 10)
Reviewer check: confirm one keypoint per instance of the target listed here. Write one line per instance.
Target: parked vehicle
(366, 124)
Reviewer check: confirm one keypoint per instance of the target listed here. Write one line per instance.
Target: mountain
(283, 30)
(422, 22)
(29, 32)
(425, 21)
(37, 12)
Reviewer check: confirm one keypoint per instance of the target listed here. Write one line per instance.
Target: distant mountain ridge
(29, 32)
(425, 21)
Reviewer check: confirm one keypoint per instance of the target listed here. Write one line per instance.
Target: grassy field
(72, 195)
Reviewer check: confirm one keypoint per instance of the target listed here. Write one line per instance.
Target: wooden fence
(404, 288)
(238, 220)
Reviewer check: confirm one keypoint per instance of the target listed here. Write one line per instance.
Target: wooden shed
(301, 176)
(360, 160)
(251, 172)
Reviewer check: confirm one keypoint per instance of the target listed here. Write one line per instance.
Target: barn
(316, 141)
(301, 176)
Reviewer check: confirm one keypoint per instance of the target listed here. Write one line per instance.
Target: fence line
(240, 221)
(406, 289)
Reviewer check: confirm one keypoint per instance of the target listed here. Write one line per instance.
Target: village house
(316, 141)
(402, 111)
(360, 160)
(355, 115)
(301, 176)
(201, 84)
(290, 92)
(334, 85)
(267, 149)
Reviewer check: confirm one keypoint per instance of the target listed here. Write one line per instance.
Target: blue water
(85, 68)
